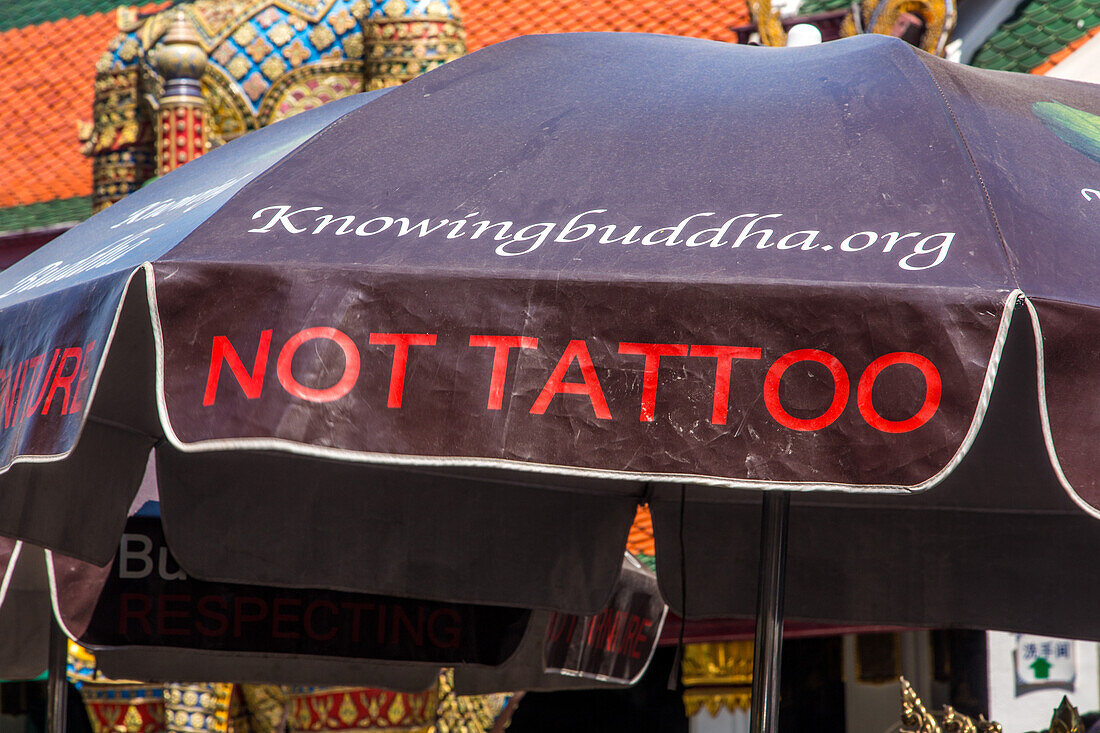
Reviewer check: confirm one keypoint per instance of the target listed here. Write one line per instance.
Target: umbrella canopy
(24, 612)
(465, 325)
(146, 619)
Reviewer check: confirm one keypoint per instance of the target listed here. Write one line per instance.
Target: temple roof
(49, 49)
(46, 89)
(35, 12)
(491, 21)
(1040, 34)
(640, 542)
(809, 7)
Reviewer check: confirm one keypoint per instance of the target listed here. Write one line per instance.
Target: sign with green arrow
(1044, 662)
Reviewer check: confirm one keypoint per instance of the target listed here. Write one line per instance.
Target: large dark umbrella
(465, 325)
(147, 619)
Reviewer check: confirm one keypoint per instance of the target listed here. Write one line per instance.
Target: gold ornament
(259, 48)
(341, 21)
(244, 35)
(238, 67)
(322, 37)
(280, 34)
(273, 67)
(768, 25)
(1066, 719)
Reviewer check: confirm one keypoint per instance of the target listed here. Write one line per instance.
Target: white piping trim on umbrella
(1044, 416)
(388, 459)
(243, 181)
(986, 393)
(24, 458)
(53, 597)
(9, 571)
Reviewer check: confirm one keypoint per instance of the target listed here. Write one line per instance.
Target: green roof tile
(1026, 40)
(44, 214)
(1042, 16)
(648, 560)
(1038, 29)
(1019, 53)
(1056, 43)
(809, 7)
(20, 13)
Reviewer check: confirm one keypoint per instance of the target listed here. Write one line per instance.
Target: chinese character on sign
(1044, 663)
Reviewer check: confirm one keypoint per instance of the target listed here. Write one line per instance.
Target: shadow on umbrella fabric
(146, 619)
(24, 612)
(449, 366)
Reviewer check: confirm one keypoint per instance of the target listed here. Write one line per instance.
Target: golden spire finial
(180, 58)
(1066, 719)
(179, 53)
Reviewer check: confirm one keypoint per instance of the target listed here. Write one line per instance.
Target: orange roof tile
(491, 21)
(47, 82)
(1059, 56)
(47, 74)
(640, 541)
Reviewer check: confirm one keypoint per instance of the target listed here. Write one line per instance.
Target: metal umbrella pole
(766, 660)
(57, 693)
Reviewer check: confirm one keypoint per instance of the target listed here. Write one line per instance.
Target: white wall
(876, 708)
(1020, 707)
(1081, 65)
(724, 722)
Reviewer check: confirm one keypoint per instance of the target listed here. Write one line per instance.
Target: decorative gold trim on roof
(768, 24)
(197, 707)
(717, 675)
(714, 701)
(309, 87)
(879, 16)
(397, 50)
(717, 663)
(267, 72)
(218, 19)
(956, 722)
(465, 713)
(915, 718)
(1066, 719)
(230, 115)
(258, 709)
